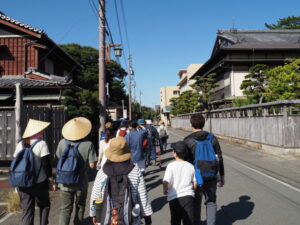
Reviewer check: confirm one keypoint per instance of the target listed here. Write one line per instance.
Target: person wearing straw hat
(39, 192)
(76, 130)
(118, 164)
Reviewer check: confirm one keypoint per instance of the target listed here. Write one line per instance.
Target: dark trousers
(209, 190)
(68, 200)
(39, 193)
(182, 209)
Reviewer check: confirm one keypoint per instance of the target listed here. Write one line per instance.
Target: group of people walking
(119, 194)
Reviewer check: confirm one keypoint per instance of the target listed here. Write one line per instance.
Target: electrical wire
(125, 26)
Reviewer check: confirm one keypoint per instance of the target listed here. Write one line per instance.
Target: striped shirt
(137, 186)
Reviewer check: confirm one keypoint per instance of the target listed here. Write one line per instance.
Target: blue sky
(164, 35)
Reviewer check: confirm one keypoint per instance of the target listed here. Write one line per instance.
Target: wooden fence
(276, 123)
(54, 114)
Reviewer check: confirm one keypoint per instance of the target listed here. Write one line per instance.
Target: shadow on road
(241, 210)
(154, 185)
(149, 179)
(158, 203)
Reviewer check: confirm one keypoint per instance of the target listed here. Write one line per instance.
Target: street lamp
(118, 51)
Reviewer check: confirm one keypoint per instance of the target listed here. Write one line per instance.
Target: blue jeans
(153, 153)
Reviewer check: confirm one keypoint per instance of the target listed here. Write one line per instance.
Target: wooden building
(235, 51)
(29, 57)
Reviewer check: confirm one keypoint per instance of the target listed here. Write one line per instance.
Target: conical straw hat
(34, 126)
(76, 129)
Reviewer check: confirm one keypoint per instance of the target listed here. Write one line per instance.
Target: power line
(93, 7)
(119, 28)
(125, 26)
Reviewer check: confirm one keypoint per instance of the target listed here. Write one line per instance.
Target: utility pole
(141, 102)
(102, 78)
(130, 73)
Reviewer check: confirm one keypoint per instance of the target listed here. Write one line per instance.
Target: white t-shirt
(102, 148)
(39, 150)
(180, 176)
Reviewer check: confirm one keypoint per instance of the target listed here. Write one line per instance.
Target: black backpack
(118, 204)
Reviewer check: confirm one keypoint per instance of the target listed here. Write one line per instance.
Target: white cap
(148, 121)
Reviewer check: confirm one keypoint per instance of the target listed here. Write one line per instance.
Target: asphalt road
(260, 189)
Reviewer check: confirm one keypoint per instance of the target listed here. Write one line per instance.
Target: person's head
(108, 134)
(133, 124)
(118, 150)
(149, 122)
(123, 124)
(180, 150)
(197, 121)
(76, 129)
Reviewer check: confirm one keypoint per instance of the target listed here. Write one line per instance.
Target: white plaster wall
(236, 79)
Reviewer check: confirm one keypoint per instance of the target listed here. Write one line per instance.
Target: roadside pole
(102, 78)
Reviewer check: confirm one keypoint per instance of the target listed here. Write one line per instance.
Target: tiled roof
(20, 24)
(11, 81)
(271, 37)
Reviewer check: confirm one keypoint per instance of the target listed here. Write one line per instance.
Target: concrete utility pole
(141, 102)
(130, 73)
(102, 78)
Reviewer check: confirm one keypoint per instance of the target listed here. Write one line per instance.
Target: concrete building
(166, 93)
(185, 77)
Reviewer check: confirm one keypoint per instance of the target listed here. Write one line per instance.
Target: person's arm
(165, 187)
(92, 156)
(218, 151)
(97, 191)
(47, 166)
(143, 198)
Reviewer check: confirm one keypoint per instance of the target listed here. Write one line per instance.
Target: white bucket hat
(34, 126)
(76, 129)
(149, 122)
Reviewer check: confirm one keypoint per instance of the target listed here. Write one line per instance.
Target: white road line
(254, 170)
(6, 217)
(263, 174)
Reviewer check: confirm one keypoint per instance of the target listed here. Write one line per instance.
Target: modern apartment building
(166, 93)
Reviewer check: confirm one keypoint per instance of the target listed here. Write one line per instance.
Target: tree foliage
(206, 87)
(290, 22)
(255, 82)
(187, 102)
(284, 81)
(85, 102)
(273, 84)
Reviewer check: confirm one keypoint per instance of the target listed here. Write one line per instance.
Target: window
(176, 92)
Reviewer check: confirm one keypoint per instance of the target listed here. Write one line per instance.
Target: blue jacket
(135, 140)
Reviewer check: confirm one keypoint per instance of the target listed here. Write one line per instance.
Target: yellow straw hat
(34, 126)
(76, 129)
(118, 150)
